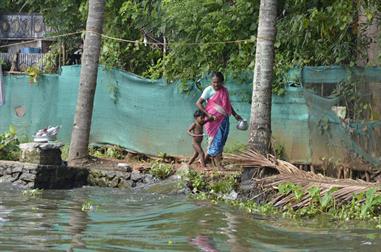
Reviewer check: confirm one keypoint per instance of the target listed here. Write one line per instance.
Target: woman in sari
(218, 109)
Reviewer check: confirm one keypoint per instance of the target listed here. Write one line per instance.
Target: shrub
(223, 184)
(161, 170)
(9, 145)
(108, 151)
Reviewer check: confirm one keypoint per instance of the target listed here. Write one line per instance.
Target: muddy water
(122, 220)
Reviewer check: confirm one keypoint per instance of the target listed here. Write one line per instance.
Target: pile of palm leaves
(342, 190)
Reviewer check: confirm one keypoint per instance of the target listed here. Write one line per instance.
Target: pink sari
(219, 106)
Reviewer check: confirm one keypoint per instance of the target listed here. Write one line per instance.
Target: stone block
(114, 182)
(148, 178)
(7, 179)
(127, 175)
(125, 183)
(17, 169)
(108, 174)
(27, 177)
(41, 153)
(125, 167)
(136, 176)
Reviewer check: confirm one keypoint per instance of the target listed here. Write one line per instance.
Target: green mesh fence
(151, 117)
(140, 114)
(352, 136)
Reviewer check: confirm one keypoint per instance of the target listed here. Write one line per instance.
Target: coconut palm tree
(88, 80)
(260, 122)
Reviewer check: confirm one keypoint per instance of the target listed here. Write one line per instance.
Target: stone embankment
(41, 167)
(30, 176)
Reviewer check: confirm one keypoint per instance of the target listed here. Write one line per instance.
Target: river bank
(285, 191)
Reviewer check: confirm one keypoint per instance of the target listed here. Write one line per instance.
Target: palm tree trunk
(88, 80)
(260, 122)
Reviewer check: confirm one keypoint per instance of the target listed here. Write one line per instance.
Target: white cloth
(2, 100)
(207, 93)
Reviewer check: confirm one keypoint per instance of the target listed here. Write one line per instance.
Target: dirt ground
(143, 163)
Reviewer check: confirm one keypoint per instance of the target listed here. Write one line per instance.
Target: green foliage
(319, 203)
(60, 15)
(222, 184)
(9, 5)
(364, 206)
(320, 33)
(317, 33)
(65, 152)
(371, 204)
(287, 188)
(108, 151)
(357, 104)
(188, 34)
(131, 20)
(215, 184)
(88, 205)
(161, 170)
(309, 33)
(278, 87)
(33, 193)
(201, 23)
(34, 72)
(252, 207)
(50, 59)
(9, 145)
(195, 181)
(5, 66)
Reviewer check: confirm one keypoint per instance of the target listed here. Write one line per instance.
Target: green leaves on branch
(214, 184)
(9, 145)
(161, 170)
(309, 32)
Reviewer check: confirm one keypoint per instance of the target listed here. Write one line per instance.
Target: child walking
(197, 132)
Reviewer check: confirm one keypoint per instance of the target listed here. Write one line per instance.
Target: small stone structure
(41, 153)
(41, 167)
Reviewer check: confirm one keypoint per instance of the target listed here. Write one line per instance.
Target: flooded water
(122, 220)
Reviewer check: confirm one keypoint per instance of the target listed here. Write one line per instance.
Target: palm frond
(343, 190)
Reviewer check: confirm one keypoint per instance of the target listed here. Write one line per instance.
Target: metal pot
(242, 125)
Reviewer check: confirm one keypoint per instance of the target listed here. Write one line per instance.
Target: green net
(345, 126)
(142, 115)
(151, 117)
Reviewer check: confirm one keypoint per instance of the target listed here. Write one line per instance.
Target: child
(196, 131)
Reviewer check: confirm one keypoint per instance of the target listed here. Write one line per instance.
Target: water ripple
(122, 220)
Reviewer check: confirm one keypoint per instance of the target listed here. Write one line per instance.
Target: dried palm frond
(249, 158)
(344, 189)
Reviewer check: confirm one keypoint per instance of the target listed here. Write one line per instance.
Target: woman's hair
(219, 75)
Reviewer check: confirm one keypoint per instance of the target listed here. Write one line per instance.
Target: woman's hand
(237, 117)
(211, 117)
